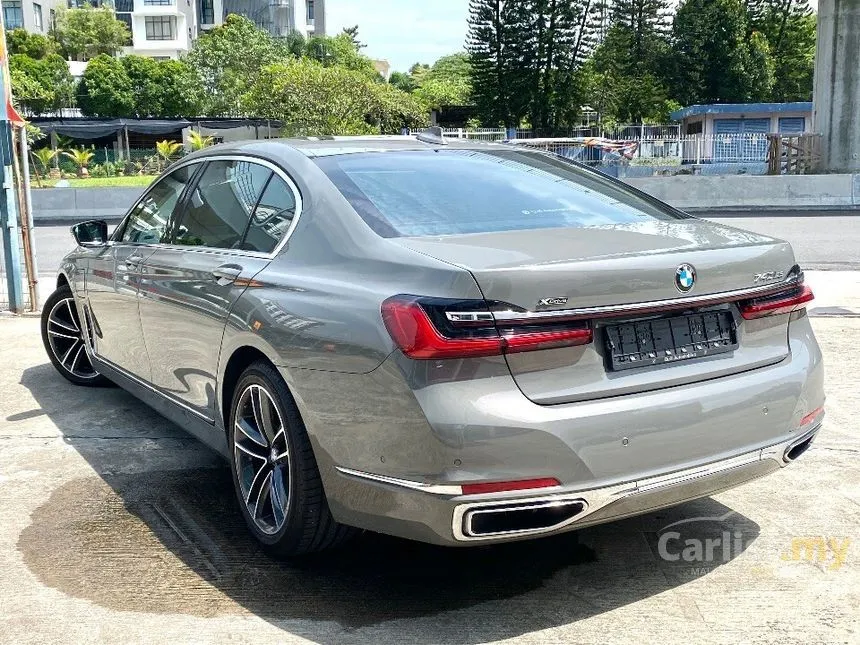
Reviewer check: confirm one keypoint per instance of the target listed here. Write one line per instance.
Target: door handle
(226, 274)
(133, 262)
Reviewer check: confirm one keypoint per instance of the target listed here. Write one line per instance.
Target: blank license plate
(669, 340)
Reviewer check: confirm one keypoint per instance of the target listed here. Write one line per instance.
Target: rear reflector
(809, 418)
(435, 328)
(501, 487)
(782, 302)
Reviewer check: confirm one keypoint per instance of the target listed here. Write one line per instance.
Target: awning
(98, 128)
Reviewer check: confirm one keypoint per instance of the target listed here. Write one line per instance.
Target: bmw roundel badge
(685, 277)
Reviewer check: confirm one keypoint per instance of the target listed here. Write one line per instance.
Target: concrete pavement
(116, 527)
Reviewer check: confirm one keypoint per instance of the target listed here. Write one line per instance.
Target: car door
(191, 284)
(113, 277)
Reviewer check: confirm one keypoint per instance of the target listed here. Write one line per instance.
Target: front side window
(13, 17)
(37, 16)
(454, 192)
(220, 206)
(160, 27)
(272, 217)
(148, 222)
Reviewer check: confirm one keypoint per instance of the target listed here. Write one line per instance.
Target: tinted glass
(272, 218)
(449, 192)
(147, 223)
(220, 206)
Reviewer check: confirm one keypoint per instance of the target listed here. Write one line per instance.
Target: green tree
(180, 90)
(105, 89)
(789, 27)
(44, 84)
(714, 60)
(501, 70)
(340, 51)
(20, 41)
(403, 81)
(82, 34)
(229, 59)
(352, 32)
(144, 75)
(313, 99)
(447, 82)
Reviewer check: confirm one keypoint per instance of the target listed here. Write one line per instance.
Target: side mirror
(91, 233)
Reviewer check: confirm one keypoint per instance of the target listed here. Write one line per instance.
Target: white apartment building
(165, 29)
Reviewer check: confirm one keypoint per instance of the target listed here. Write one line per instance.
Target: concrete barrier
(77, 204)
(693, 192)
(754, 192)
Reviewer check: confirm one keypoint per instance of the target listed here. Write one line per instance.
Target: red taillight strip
(527, 342)
(479, 488)
(809, 418)
(793, 299)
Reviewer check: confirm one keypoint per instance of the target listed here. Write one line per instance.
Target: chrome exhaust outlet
(797, 448)
(518, 517)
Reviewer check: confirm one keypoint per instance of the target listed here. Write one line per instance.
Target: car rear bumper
(421, 511)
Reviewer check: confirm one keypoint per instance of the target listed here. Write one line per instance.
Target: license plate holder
(668, 340)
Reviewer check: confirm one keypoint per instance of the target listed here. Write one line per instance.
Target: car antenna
(433, 135)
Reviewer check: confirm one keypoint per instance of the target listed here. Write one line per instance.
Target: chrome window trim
(213, 249)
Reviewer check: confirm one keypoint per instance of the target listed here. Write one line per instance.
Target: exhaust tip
(520, 518)
(795, 450)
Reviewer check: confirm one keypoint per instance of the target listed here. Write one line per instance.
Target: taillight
(782, 302)
(433, 328)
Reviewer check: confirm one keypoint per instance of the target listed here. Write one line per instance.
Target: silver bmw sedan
(452, 342)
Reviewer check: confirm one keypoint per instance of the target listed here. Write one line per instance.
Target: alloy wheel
(66, 340)
(261, 458)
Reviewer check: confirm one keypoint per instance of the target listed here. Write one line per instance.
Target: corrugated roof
(741, 108)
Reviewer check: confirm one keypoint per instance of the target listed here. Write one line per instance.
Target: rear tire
(275, 475)
(62, 335)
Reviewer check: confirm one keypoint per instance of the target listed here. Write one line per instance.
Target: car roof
(328, 146)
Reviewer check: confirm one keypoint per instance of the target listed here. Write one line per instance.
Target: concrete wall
(739, 192)
(77, 204)
(730, 192)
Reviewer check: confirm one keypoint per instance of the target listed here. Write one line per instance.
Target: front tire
(275, 475)
(62, 335)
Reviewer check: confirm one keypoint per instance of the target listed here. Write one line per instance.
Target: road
(116, 527)
(820, 242)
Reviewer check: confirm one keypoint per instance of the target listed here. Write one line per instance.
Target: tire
(275, 475)
(62, 336)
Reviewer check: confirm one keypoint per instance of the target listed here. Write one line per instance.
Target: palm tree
(80, 157)
(45, 157)
(167, 150)
(198, 141)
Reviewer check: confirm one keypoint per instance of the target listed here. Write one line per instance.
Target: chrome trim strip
(435, 489)
(224, 157)
(152, 388)
(654, 305)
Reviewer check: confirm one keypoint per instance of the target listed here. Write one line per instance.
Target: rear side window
(451, 192)
(272, 217)
(147, 223)
(219, 207)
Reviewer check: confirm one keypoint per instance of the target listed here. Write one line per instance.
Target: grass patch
(99, 182)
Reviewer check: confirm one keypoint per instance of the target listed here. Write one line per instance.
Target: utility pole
(8, 201)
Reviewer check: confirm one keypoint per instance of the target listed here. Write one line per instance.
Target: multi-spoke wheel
(63, 336)
(274, 471)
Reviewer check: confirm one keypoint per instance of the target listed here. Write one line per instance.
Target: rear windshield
(453, 192)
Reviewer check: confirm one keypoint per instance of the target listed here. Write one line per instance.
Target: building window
(160, 27)
(158, 3)
(124, 6)
(207, 12)
(310, 12)
(126, 19)
(37, 16)
(13, 17)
